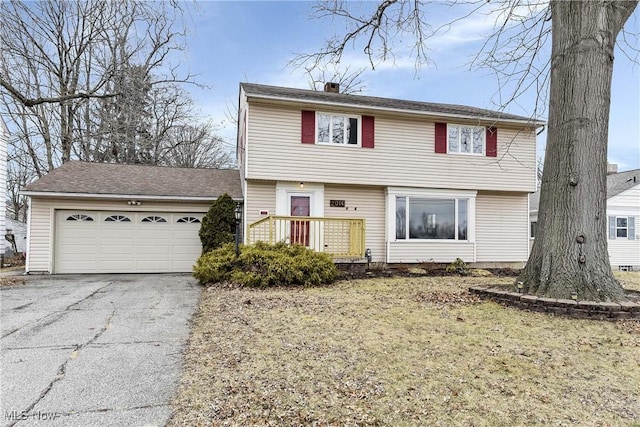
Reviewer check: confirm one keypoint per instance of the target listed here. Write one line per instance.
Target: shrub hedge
(264, 265)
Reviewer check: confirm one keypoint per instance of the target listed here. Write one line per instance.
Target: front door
(300, 206)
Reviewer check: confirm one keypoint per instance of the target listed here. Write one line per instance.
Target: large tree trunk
(570, 250)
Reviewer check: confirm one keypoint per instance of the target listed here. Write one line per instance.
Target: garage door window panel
(154, 219)
(79, 217)
(117, 218)
(188, 220)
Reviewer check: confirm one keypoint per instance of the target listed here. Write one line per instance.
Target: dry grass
(629, 280)
(11, 280)
(401, 351)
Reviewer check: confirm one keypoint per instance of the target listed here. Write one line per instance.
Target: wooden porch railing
(339, 237)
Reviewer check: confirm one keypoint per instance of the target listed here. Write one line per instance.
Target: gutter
(121, 196)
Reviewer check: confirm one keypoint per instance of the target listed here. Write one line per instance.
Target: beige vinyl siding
(502, 227)
(361, 202)
(260, 195)
(403, 155)
(42, 230)
(429, 251)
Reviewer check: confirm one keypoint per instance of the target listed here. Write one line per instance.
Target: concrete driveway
(86, 350)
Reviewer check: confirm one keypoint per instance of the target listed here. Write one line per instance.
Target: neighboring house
(408, 181)
(4, 136)
(623, 218)
(19, 231)
(112, 218)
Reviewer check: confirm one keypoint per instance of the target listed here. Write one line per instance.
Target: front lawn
(402, 351)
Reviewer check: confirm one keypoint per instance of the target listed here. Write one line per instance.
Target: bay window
(431, 218)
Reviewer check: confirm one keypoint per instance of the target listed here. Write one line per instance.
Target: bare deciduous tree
(197, 146)
(64, 61)
(350, 81)
(570, 250)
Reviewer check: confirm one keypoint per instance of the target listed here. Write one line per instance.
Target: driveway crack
(101, 410)
(62, 369)
(57, 314)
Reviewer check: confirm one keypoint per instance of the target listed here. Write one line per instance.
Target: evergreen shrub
(264, 265)
(219, 224)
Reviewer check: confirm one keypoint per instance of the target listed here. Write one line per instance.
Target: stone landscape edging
(562, 307)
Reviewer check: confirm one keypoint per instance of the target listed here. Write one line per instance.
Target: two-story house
(408, 181)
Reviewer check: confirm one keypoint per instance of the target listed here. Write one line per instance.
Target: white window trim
(425, 193)
(626, 218)
(484, 140)
(346, 116)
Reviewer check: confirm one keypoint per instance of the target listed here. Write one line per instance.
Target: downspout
(28, 249)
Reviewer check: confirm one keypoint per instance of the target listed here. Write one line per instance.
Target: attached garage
(125, 242)
(121, 218)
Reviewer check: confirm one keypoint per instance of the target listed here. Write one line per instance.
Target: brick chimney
(612, 168)
(332, 87)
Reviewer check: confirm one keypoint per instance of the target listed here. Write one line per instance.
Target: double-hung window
(338, 129)
(465, 139)
(431, 218)
(622, 227)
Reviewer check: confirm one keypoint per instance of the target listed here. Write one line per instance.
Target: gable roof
(371, 102)
(616, 184)
(112, 180)
(622, 181)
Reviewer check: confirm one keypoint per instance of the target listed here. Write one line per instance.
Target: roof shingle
(138, 180)
(305, 95)
(616, 184)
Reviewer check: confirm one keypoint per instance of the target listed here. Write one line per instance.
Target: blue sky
(237, 41)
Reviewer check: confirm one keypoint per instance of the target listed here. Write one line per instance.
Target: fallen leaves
(400, 351)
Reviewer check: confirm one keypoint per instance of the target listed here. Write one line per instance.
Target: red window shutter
(441, 137)
(368, 131)
(492, 142)
(308, 127)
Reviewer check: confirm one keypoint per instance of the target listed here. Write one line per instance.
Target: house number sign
(336, 203)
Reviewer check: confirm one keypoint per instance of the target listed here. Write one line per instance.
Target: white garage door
(125, 242)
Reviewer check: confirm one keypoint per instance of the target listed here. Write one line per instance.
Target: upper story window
(466, 139)
(337, 129)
